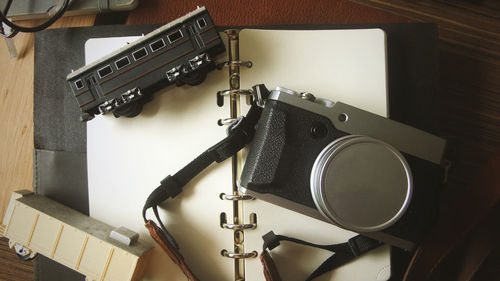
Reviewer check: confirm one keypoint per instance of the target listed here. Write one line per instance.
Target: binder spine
(237, 225)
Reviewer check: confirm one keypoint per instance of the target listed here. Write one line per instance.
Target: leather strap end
(269, 267)
(160, 238)
(170, 249)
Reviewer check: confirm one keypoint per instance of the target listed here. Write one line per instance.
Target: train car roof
(136, 42)
(80, 221)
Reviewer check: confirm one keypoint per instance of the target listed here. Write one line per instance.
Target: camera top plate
(355, 121)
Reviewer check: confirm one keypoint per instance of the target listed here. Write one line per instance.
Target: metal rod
(234, 84)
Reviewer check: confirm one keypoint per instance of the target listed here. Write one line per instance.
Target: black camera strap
(342, 253)
(240, 133)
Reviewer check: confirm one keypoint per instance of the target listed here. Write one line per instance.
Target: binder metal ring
(226, 121)
(251, 225)
(220, 95)
(224, 196)
(239, 226)
(247, 92)
(221, 65)
(231, 255)
(234, 63)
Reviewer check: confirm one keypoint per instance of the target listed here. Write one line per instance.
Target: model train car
(179, 52)
(36, 224)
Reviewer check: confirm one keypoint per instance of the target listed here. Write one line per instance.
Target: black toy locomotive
(179, 52)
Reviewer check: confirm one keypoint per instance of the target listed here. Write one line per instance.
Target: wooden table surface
(469, 62)
(16, 132)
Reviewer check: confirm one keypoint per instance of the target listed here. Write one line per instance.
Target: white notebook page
(128, 157)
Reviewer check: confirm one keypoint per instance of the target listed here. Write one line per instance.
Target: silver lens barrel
(361, 183)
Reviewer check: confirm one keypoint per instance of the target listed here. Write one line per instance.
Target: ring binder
(224, 196)
(220, 94)
(227, 254)
(234, 92)
(234, 63)
(251, 225)
(226, 121)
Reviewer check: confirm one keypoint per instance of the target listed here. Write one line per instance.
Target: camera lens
(361, 183)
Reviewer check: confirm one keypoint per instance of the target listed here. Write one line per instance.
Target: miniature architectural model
(36, 224)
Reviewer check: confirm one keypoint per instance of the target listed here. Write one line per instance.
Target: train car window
(79, 84)
(139, 54)
(121, 63)
(105, 71)
(172, 37)
(158, 44)
(202, 23)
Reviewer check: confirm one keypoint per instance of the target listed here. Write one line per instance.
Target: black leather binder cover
(60, 162)
(60, 138)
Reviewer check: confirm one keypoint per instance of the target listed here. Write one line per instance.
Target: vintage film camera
(345, 166)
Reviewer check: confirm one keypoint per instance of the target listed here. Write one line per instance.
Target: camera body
(345, 166)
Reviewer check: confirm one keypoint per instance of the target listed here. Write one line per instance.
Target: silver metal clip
(224, 196)
(226, 121)
(223, 64)
(231, 255)
(107, 106)
(251, 225)
(245, 92)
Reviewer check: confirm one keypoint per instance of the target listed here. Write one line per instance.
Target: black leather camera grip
(260, 167)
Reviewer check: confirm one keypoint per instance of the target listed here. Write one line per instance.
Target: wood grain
(16, 131)
(12, 267)
(472, 27)
(264, 12)
(16, 118)
(16, 110)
